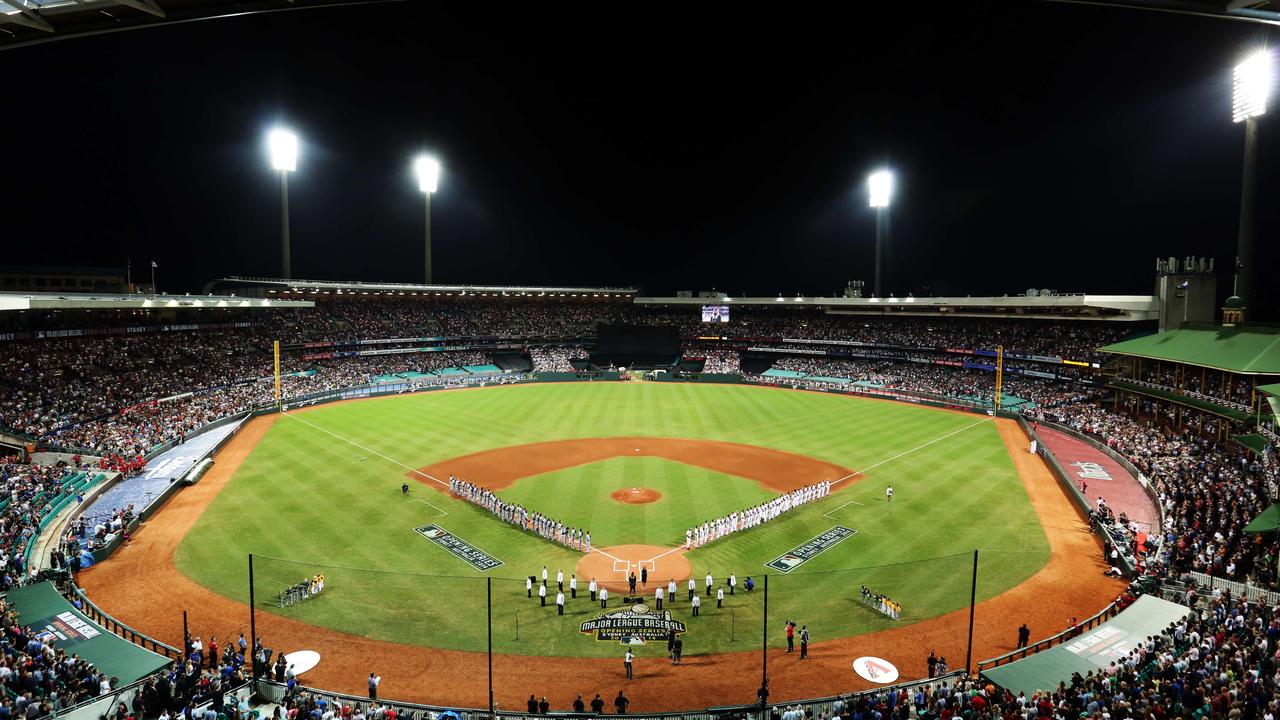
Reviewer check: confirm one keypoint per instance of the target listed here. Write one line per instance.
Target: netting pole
(973, 601)
(186, 635)
(253, 627)
(764, 653)
(488, 602)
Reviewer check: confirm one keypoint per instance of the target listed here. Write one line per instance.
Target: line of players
(537, 523)
(661, 592)
(713, 530)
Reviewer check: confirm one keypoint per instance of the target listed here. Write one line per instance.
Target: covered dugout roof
(1093, 650)
(62, 626)
(26, 22)
(1246, 350)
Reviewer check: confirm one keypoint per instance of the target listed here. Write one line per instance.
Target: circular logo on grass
(877, 670)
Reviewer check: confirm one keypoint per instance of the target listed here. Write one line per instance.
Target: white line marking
(611, 557)
(424, 502)
(393, 461)
(827, 514)
(940, 438)
(625, 566)
(664, 554)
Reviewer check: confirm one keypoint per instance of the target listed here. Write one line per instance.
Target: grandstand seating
(122, 396)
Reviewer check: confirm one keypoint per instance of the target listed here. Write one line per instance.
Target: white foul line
(368, 450)
(869, 467)
(424, 502)
(940, 438)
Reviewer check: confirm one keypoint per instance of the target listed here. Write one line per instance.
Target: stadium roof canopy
(279, 286)
(1246, 350)
(1258, 11)
(1067, 306)
(137, 301)
(26, 22)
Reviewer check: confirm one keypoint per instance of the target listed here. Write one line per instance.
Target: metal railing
(1106, 614)
(821, 707)
(1238, 589)
(94, 613)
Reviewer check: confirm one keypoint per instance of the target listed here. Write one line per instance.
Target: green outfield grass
(308, 495)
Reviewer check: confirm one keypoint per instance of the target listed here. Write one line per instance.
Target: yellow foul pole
(277, 373)
(999, 374)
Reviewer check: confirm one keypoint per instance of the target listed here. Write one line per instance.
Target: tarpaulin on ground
(1093, 650)
(62, 626)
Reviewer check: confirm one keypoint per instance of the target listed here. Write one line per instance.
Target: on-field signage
(463, 550)
(877, 670)
(800, 555)
(634, 625)
(1091, 470)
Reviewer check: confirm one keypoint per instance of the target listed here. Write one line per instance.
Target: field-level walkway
(141, 587)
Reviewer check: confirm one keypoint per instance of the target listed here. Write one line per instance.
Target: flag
(153, 264)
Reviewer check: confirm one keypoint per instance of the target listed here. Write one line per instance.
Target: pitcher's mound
(612, 566)
(635, 496)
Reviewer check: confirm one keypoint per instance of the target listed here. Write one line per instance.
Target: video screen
(715, 313)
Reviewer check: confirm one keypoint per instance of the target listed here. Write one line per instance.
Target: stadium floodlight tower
(880, 191)
(1251, 89)
(284, 159)
(427, 168)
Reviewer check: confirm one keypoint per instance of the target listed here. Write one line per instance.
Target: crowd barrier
(1126, 564)
(1104, 615)
(274, 692)
(94, 613)
(1237, 589)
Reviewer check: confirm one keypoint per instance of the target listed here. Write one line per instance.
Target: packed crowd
(1208, 491)
(722, 362)
(541, 525)
(26, 493)
(38, 678)
(122, 396)
(720, 527)
(555, 359)
(947, 381)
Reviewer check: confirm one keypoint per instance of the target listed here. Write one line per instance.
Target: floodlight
(427, 169)
(880, 188)
(1251, 86)
(284, 150)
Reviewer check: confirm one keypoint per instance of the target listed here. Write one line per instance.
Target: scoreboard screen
(715, 313)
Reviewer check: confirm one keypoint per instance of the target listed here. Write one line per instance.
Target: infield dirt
(141, 587)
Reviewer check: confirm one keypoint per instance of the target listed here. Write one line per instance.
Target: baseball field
(415, 582)
(322, 494)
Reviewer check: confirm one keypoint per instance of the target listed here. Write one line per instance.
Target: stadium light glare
(1251, 86)
(284, 150)
(880, 188)
(427, 169)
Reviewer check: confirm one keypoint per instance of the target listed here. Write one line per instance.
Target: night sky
(1036, 144)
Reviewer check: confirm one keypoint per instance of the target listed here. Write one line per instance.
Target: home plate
(302, 660)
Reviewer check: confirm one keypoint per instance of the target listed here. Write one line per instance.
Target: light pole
(1251, 87)
(284, 158)
(427, 169)
(880, 190)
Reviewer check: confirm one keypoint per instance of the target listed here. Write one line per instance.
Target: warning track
(141, 587)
